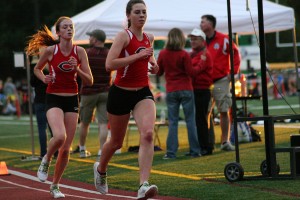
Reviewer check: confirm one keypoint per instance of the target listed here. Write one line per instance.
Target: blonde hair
(176, 39)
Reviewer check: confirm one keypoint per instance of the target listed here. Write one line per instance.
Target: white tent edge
(109, 15)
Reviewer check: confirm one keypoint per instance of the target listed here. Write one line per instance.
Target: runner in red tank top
(129, 55)
(66, 62)
(64, 75)
(134, 74)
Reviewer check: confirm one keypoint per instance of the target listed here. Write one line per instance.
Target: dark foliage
(22, 18)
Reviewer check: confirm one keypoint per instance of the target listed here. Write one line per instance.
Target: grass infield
(194, 178)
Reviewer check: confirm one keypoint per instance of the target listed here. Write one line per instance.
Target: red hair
(43, 38)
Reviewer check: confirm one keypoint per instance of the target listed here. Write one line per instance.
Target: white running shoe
(147, 191)
(100, 180)
(227, 147)
(42, 172)
(55, 192)
(84, 154)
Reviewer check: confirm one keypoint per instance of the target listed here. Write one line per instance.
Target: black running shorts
(121, 102)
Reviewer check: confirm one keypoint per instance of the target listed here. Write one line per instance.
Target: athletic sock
(81, 148)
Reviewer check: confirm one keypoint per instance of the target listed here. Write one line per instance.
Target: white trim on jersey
(55, 49)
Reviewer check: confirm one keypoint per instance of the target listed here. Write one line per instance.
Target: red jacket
(218, 47)
(178, 69)
(202, 58)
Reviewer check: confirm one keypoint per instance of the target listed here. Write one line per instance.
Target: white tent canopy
(163, 15)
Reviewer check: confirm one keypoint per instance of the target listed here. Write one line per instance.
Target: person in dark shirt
(93, 98)
(40, 112)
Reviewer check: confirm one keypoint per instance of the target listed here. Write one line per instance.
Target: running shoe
(167, 157)
(100, 180)
(84, 154)
(42, 172)
(227, 146)
(55, 192)
(147, 191)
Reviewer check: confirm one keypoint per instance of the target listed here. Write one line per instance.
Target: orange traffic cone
(3, 169)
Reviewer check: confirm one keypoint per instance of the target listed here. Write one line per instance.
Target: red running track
(23, 184)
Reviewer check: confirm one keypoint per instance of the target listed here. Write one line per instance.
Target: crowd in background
(13, 99)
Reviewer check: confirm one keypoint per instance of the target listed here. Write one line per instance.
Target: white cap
(198, 32)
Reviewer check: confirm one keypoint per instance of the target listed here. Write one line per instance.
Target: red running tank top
(135, 74)
(65, 75)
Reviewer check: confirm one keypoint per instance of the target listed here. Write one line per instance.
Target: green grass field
(194, 178)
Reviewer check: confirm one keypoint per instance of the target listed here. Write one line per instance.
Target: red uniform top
(65, 74)
(204, 79)
(178, 69)
(218, 46)
(135, 74)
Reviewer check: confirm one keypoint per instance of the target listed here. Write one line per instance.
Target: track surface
(22, 184)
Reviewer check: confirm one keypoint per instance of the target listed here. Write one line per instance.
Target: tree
(22, 18)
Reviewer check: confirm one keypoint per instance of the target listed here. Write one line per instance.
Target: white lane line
(15, 122)
(47, 191)
(27, 176)
(14, 136)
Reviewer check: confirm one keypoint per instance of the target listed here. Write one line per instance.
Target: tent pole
(32, 157)
(296, 62)
(30, 104)
(268, 127)
(262, 58)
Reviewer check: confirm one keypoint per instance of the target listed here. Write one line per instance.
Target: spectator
(40, 112)
(22, 89)
(176, 64)
(218, 46)
(202, 89)
(9, 89)
(11, 104)
(1, 86)
(94, 98)
(2, 96)
(9, 108)
(292, 86)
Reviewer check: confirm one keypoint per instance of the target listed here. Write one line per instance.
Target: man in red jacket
(218, 46)
(202, 89)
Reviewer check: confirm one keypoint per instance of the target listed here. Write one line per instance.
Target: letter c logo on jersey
(140, 49)
(65, 66)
